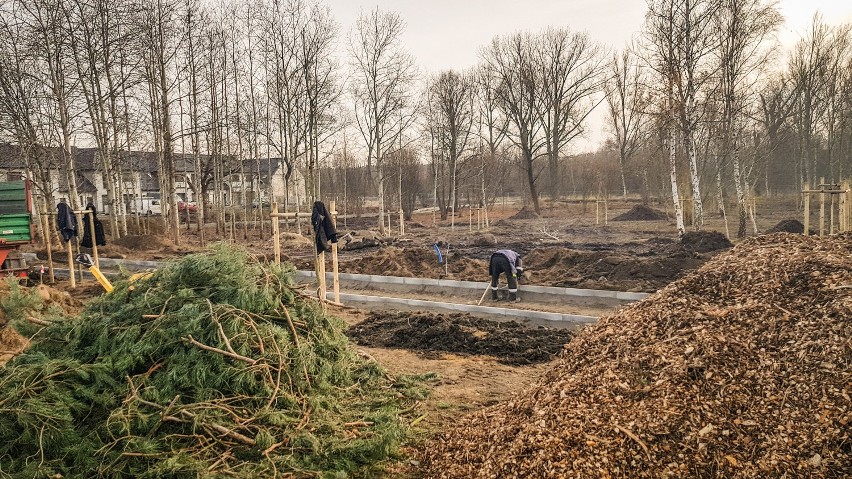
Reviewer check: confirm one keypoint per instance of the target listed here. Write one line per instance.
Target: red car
(183, 206)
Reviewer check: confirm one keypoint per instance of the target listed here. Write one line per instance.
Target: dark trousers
(500, 264)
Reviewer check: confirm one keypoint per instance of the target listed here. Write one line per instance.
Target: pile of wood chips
(742, 369)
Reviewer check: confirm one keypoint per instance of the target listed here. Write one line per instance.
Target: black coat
(66, 222)
(324, 231)
(100, 239)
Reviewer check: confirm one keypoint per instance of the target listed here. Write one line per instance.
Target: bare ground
(563, 246)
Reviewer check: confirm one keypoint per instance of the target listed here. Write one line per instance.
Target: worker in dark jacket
(507, 262)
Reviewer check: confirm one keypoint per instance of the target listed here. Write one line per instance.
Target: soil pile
(19, 303)
(213, 366)
(525, 213)
(705, 241)
(788, 226)
(641, 213)
(294, 240)
(416, 262)
(432, 334)
(739, 370)
(605, 269)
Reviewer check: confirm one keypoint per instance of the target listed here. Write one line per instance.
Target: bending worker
(508, 262)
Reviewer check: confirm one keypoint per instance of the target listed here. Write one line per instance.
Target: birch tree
(24, 110)
(681, 39)
(744, 28)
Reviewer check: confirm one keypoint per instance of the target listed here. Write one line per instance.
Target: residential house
(140, 178)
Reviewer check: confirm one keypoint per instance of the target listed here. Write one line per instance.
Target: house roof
(144, 162)
(267, 166)
(83, 184)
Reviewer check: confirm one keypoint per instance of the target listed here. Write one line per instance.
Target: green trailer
(16, 226)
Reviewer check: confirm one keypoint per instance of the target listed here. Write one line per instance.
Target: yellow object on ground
(101, 278)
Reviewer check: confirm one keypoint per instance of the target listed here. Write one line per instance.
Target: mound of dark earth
(705, 241)
(788, 226)
(526, 213)
(432, 334)
(641, 213)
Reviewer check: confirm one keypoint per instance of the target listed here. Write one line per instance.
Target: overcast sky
(444, 34)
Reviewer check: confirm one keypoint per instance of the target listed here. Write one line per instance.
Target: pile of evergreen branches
(212, 366)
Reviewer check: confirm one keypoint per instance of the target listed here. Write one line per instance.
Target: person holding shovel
(508, 262)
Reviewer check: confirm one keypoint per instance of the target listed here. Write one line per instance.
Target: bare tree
(744, 26)
(627, 101)
(808, 68)
(161, 41)
(50, 40)
(682, 39)
(572, 73)
(512, 61)
(383, 73)
(24, 110)
(452, 97)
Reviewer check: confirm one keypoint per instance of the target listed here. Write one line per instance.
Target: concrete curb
(130, 265)
(509, 313)
(474, 285)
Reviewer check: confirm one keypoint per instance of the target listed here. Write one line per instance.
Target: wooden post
(807, 207)
(45, 222)
(70, 252)
(831, 216)
(91, 222)
(401, 223)
(276, 238)
(298, 224)
(597, 212)
(821, 206)
(320, 267)
(606, 212)
(80, 227)
(844, 206)
(470, 219)
(334, 265)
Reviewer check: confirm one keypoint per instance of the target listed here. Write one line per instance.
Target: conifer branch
(231, 355)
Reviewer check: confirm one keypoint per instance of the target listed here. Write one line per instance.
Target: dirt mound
(739, 370)
(142, 242)
(432, 334)
(606, 269)
(526, 213)
(788, 226)
(484, 239)
(641, 213)
(294, 240)
(416, 262)
(705, 241)
(11, 344)
(20, 302)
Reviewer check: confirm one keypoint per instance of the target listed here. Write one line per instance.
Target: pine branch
(231, 355)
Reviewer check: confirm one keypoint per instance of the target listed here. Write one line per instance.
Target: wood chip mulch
(742, 369)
